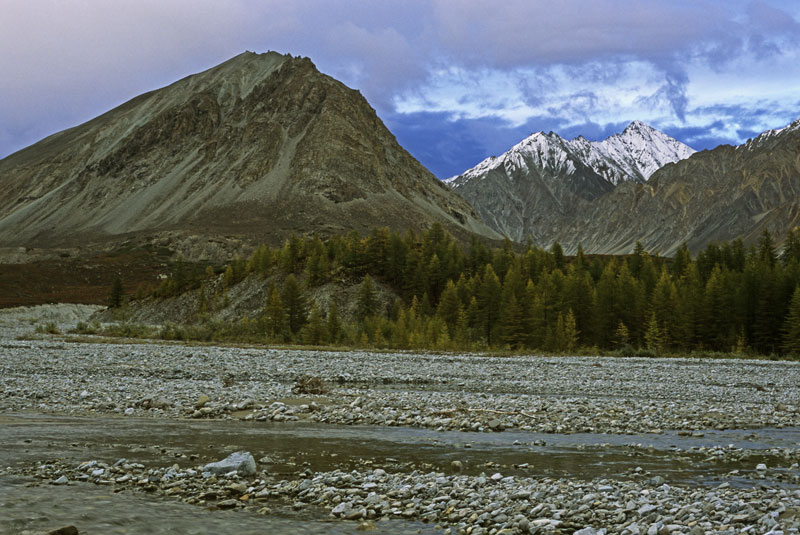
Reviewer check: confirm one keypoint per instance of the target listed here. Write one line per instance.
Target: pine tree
(766, 248)
(791, 248)
(294, 303)
(489, 303)
(682, 259)
(511, 324)
(558, 255)
(558, 341)
(228, 278)
(653, 337)
(621, 336)
(570, 332)
(791, 326)
(317, 265)
(315, 331)
(275, 316)
(115, 296)
(580, 258)
(333, 325)
(449, 306)
(367, 303)
(664, 304)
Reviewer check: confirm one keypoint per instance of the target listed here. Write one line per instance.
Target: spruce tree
(275, 316)
(621, 335)
(294, 303)
(367, 303)
(791, 248)
(653, 336)
(766, 249)
(449, 306)
(115, 296)
(333, 324)
(558, 255)
(791, 326)
(570, 332)
(315, 331)
(489, 303)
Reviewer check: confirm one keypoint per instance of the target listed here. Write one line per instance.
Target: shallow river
(26, 439)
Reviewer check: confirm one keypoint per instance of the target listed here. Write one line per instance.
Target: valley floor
(469, 443)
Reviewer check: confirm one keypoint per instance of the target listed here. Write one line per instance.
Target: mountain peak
(640, 126)
(214, 152)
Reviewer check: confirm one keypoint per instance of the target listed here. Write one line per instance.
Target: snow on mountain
(635, 154)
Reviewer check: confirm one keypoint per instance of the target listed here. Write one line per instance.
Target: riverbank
(470, 443)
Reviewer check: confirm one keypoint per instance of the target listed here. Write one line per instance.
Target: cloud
(495, 70)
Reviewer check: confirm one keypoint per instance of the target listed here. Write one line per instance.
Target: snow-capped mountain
(546, 176)
(634, 154)
(715, 196)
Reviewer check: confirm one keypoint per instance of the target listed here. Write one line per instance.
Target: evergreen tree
(580, 258)
(791, 248)
(449, 306)
(766, 249)
(791, 326)
(367, 304)
(653, 337)
(621, 336)
(315, 331)
(511, 324)
(682, 259)
(664, 305)
(558, 255)
(635, 260)
(570, 332)
(489, 303)
(333, 325)
(317, 264)
(275, 316)
(606, 316)
(294, 303)
(228, 278)
(115, 296)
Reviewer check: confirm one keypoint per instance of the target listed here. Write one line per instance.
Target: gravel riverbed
(444, 392)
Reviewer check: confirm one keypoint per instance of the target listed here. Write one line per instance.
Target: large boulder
(240, 461)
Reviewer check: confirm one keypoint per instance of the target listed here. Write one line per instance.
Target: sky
(454, 80)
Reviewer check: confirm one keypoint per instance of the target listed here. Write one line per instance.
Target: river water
(287, 448)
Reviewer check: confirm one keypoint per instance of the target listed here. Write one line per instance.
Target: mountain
(713, 196)
(255, 148)
(545, 178)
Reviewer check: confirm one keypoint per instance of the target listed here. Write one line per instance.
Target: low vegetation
(728, 299)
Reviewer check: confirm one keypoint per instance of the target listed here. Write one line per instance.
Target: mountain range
(264, 145)
(546, 177)
(640, 185)
(256, 148)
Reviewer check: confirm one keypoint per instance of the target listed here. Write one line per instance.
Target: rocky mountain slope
(546, 178)
(256, 148)
(717, 195)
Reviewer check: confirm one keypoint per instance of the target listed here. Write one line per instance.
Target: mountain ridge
(715, 195)
(545, 177)
(259, 146)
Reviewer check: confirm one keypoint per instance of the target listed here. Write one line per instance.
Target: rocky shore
(46, 374)
(468, 392)
(485, 504)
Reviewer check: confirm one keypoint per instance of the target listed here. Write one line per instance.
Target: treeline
(728, 298)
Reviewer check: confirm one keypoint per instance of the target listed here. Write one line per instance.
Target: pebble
(511, 505)
(437, 391)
